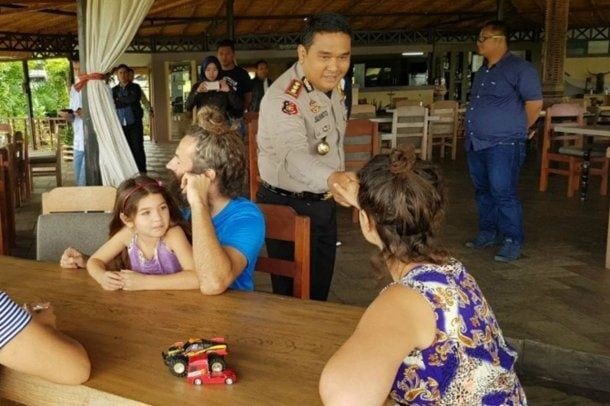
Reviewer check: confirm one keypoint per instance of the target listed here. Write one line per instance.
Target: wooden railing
(45, 130)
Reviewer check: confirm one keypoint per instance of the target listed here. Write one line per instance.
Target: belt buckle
(327, 196)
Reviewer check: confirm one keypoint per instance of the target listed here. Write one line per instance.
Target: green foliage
(66, 135)
(11, 92)
(50, 94)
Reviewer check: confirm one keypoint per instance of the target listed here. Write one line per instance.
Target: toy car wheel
(178, 366)
(198, 381)
(217, 364)
(229, 381)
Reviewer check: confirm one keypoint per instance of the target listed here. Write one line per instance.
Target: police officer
(300, 139)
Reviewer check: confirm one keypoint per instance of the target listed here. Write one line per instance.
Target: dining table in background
(278, 345)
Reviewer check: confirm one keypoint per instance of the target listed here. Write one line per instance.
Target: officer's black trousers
(134, 133)
(323, 220)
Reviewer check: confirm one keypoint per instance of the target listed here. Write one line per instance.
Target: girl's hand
(202, 88)
(224, 87)
(196, 188)
(111, 280)
(132, 280)
(72, 258)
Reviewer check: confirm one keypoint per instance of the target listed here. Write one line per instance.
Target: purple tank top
(164, 261)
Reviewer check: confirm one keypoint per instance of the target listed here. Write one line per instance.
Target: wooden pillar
(92, 164)
(500, 7)
(230, 19)
(555, 34)
(27, 89)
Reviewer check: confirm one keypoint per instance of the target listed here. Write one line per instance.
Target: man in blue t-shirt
(228, 230)
(505, 100)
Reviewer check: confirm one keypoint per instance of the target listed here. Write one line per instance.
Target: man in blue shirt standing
(505, 100)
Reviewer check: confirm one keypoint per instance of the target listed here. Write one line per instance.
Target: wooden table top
(600, 130)
(277, 345)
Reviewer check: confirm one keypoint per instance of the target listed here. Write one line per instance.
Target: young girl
(148, 233)
(430, 337)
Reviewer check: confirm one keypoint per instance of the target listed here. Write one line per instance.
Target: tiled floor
(558, 293)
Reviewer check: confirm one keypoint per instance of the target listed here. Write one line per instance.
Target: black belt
(296, 195)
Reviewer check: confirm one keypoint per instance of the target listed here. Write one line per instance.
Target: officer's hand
(344, 188)
(196, 187)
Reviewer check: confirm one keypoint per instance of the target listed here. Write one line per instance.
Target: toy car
(199, 373)
(200, 360)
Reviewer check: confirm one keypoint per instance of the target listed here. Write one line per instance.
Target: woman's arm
(41, 350)
(97, 263)
(362, 371)
(176, 240)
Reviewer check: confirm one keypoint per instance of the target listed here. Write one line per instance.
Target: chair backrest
(254, 178)
(410, 124)
(79, 199)
(565, 114)
(284, 224)
(446, 111)
(361, 143)
(407, 102)
(363, 111)
(56, 231)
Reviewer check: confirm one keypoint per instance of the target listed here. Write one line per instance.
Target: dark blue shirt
(497, 102)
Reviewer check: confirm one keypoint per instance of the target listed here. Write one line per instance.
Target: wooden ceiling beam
(598, 12)
(170, 6)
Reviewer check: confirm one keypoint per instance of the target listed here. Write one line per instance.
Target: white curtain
(110, 27)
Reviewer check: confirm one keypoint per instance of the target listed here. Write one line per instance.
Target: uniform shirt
(13, 319)
(77, 124)
(497, 102)
(239, 80)
(127, 102)
(294, 118)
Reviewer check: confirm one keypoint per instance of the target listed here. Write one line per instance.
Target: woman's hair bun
(212, 120)
(402, 160)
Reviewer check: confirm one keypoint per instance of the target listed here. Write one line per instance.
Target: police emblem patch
(290, 108)
(294, 88)
(314, 107)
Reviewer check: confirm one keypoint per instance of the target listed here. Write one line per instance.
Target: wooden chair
(284, 224)
(21, 162)
(363, 111)
(254, 178)
(443, 132)
(406, 102)
(410, 124)
(74, 216)
(79, 199)
(568, 149)
(48, 163)
(7, 214)
(360, 145)
(7, 130)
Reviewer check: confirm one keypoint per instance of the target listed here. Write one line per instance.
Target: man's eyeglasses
(483, 38)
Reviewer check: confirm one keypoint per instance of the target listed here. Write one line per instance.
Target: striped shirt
(13, 319)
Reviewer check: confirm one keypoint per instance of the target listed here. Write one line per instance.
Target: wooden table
(277, 345)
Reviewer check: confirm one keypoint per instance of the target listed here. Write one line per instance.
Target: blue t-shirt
(497, 102)
(13, 319)
(240, 225)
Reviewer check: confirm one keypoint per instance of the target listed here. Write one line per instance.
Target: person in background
(210, 91)
(31, 343)
(74, 115)
(238, 79)
(260, 84)
(505, 101)
(430, 336)
(301, 128)
(127, 98)
(148, 233)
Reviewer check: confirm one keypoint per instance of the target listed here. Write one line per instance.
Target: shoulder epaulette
(294, 88)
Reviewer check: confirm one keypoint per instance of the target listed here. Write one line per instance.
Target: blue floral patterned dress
(469, 362)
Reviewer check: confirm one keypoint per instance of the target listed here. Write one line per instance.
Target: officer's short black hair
(328, 22)
(121, 66)
(75, 57)
(261, 61)
(226, 43)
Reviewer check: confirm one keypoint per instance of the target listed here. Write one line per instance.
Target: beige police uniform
(294, 119)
